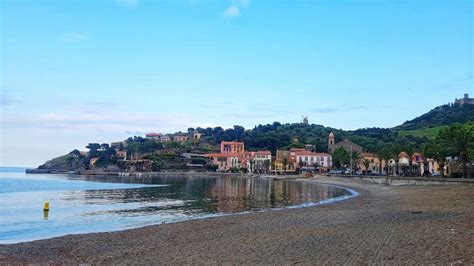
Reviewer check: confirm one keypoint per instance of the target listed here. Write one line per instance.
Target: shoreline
(385, 180)
(384, 224)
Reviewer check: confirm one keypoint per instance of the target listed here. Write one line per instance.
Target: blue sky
(74, 72)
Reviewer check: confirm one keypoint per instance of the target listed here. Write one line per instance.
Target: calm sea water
(80, 205)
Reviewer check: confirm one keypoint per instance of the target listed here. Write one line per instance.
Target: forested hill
(284, 136)
(441, 116)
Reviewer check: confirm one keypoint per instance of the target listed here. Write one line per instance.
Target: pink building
(233, 155)
(224, 161)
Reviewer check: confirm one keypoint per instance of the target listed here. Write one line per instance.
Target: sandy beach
(424, 224)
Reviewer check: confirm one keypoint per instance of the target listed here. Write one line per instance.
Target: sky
(74, 72)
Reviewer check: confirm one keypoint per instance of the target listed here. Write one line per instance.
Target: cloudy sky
(74, 72)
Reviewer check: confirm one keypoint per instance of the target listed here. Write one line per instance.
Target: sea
(85, 204)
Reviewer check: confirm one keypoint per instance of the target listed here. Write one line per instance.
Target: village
(233, 157)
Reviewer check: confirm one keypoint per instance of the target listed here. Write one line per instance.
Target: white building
(312, 158)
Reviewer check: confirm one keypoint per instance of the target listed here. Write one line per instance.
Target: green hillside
(440, 116)
(429, 133)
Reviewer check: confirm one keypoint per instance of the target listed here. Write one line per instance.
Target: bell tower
(331, 142)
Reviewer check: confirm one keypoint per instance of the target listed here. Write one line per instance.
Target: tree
(386, 155)
(340, 157)
(396, 149)
(356, 157)
(366, 163)
(458, 140)
(316, 167)
(93, 149)
(285, 164)
(266, 165)
(437, 152)
(76, 153)
(301, 163)
(104, 146)
(252, 163)
(410, 151)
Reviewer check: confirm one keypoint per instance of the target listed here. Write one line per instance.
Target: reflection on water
(109, 208)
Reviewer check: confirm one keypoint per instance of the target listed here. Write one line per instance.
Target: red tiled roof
(221, 155)
(308, 153)
(297, 149)
(232, 142)
(263, 152)
(153, 134)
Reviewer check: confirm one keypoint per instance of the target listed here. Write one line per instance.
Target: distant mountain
(440, 116)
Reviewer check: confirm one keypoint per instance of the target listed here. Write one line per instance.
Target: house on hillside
(232, 147)
(165, 138)
(180, 138)
(153, 136)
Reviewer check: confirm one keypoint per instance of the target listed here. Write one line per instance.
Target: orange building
(232, 147)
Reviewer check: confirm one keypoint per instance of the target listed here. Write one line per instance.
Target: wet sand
(384, 225)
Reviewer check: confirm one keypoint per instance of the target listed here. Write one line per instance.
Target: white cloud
(44, 135)
(234, 10)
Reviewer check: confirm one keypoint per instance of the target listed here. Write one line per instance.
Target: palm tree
(458, 140)
(316, 167)
(386, 155)
(396, 149)
(285, 164)
(266, 166)
(366, 163)
(356, 157)
(379, 156)
(410, 151)
(252, 163)
(435, 150)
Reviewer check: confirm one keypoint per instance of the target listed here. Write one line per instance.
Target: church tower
(331, 142)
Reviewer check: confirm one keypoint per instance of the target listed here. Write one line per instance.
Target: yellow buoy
(46, 206)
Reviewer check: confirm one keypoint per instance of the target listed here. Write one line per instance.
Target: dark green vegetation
(441, 116)
(284, 136)
(457, 141)
(69, 162)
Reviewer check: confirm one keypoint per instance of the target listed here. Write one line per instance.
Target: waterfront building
(224, 161)
(289, 161)
(376, 164)
(233, 155)
(262, 161)
(312, 159)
